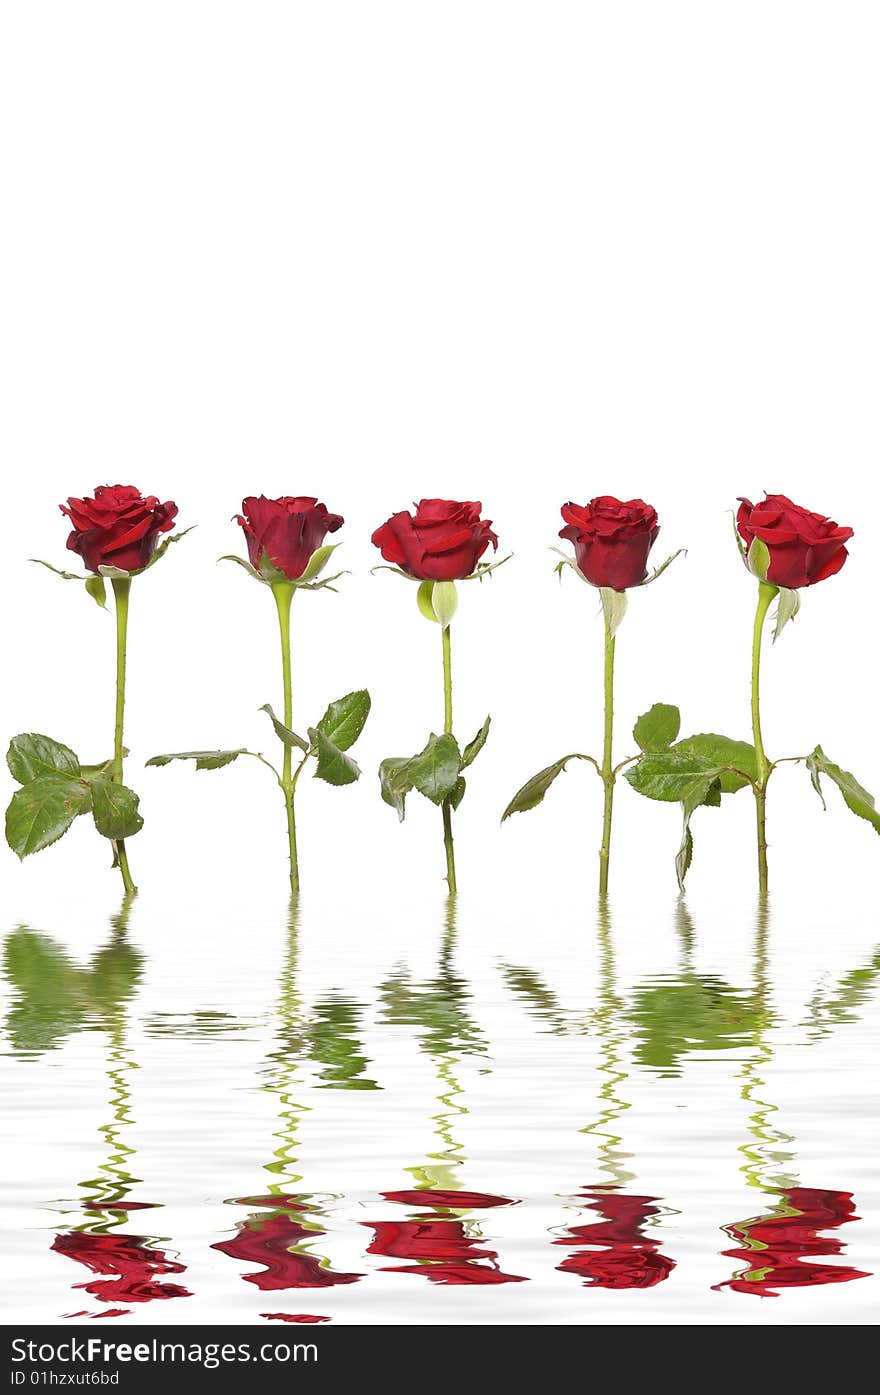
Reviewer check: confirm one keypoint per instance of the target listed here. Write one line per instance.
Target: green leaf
(855, 796)
(334, 765)
(31, 755)
(711, 796)
(43, 810)
(318, 561)
(344, 719)
(758, 558)
(423, 600)
(444, 601)
(395, 783)
(97, 590)
(658, 727)
(284, 733)
(164, 546)
(458, 792)
(673, 776)
(787, 609)
(532, 792)
(116, 573)
(614, 605)
(723, 751)
(115, 810)
(205, 760)
(435, 770)
(473, 748)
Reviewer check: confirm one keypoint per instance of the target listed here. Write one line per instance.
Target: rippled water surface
(437, 1114)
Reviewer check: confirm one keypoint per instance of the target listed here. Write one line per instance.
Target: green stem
(121, 589)
(766, 595)
(283, 592)
(607, 771)
(447, 727)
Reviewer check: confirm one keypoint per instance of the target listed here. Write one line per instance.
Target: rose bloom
(119, 527)
(611, 539)
(804, 547)
(284, 532)
(442, 541)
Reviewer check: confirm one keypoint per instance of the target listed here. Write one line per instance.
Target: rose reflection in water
(779, 1247)
(437, 1242)
(135, 1266)
(614, 1252)
(56, 997)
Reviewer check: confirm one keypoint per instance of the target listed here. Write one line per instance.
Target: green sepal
(444, 602)
(787, 609)
(97, 590)
(164, 546)
(758, 558)
(242, 562)
(614, 605)
(424, 593)
(318, 561)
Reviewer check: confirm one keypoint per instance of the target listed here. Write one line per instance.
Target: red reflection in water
(293, 1317)
(777, 1247)
(104, 1312)
(135, 1265)
(624, 1256)
(271, 1240)
(439, 1247)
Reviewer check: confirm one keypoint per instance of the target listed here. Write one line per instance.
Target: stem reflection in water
(55, 998)
(280, 1233)
(440, 1240)
(779, 1247)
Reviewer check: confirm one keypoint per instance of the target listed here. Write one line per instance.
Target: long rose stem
(121, 590)
(447, 727)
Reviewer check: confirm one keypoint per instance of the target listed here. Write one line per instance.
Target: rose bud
(442, 541)
(611, 539)
(804, 547)
(283, 533)
(118, 527)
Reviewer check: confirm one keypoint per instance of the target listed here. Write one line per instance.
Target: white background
(512, 252)
(520, 253)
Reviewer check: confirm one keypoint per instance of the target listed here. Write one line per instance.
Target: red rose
(118, 527)
(611, 539)
(804, 547)
(442, 541)
(285, 532)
